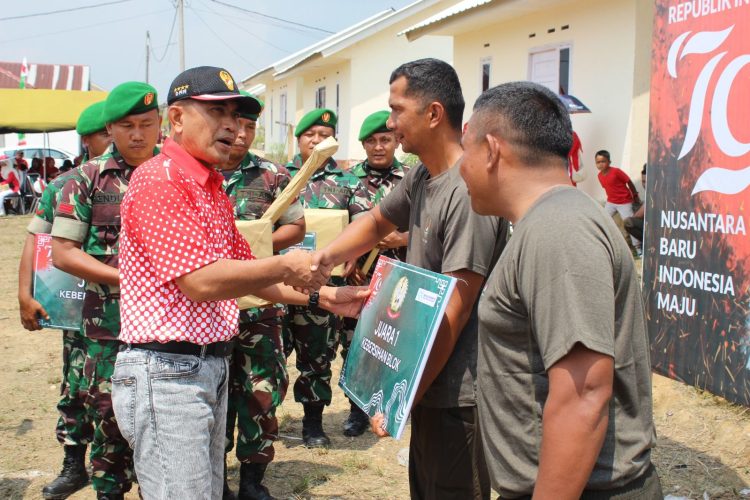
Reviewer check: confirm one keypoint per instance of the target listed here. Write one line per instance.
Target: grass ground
(703, 441)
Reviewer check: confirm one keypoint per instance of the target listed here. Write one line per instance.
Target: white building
(596, 50)
(347, 72)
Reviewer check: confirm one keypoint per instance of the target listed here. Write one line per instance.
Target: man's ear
(436, 113)
(175, 115)
(494, 151)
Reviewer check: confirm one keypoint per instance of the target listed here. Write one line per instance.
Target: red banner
(697, 264)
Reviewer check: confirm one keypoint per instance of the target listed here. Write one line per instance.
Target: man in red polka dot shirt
(182, 264)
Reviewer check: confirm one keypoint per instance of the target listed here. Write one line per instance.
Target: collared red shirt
(175, 219)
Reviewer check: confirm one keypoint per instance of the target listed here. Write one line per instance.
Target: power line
(95, 25)
(73, 9)
(221, 39)
(272, 17)
(244, 29)
(171, 30)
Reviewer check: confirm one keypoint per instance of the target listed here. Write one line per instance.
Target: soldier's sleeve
(73, 213)
(295, 211)
(41, 223)
(359, 202)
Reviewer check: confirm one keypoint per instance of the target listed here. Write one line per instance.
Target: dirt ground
(703, 446)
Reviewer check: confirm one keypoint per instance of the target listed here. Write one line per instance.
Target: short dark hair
(604, 153)
(528, 115)
(643, 172)
(434, 80)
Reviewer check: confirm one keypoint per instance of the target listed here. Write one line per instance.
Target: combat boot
(251, 476)
(227, 494)
(312, 426)
(73, 476)
(100, 495)
(357, 422)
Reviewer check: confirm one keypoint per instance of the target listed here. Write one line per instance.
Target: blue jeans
(171, 408)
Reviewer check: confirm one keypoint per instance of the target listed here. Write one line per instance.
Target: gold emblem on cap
(326, 117)
(148, 98)
(227, 78)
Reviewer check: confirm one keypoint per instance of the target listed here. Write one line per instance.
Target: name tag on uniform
(108, 198)
(250, 194)
(335, 190)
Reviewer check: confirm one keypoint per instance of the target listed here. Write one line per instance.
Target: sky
(111, 37)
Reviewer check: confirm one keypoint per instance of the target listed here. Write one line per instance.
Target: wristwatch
(313, 300)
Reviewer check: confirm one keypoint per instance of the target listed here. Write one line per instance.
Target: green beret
(373, 124)
(91, 119)
(318, 116)
(129, 98)
(250, 116)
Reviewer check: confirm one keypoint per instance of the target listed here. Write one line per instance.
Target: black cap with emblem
(208, 83)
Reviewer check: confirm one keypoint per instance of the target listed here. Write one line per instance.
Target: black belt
(218, 349)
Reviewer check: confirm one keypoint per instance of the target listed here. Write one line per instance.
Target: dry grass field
(703, 448)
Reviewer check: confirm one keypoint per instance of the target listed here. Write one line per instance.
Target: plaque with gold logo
(393, 339)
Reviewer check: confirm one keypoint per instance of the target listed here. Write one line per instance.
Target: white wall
(329, 77)
(362, 71)
(603, 60)
(372, 62)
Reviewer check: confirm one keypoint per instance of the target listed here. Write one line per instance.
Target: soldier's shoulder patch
(65, 208)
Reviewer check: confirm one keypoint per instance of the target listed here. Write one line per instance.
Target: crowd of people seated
(19, 180)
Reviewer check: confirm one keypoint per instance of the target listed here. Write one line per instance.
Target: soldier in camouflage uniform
(258, 378)
(380, 173)
(85, 240)
(313, 333)
(74, 428)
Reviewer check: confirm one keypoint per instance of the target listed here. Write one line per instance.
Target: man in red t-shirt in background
(621, 192)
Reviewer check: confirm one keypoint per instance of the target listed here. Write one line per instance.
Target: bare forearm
(228, 279)
(574, 422)
(283, 294)
(25, 268)
(69, 258)
(633, 190)
(359, 237)
(288, 235)
(572, 436)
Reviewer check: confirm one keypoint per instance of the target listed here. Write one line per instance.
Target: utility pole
(148, 51)
(181, 13)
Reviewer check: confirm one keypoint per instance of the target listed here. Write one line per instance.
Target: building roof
(460, 7)
(467, 15)
(257, 90)
(343, 39)
(46, 76)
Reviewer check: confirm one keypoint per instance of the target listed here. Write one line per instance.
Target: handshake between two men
(289, 279)
(311, 272)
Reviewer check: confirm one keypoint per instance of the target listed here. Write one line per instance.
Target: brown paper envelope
(327, 224)
(258, 235)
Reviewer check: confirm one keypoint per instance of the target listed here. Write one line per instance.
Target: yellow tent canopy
(43, 110)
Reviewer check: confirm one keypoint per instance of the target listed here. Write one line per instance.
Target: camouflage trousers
(258, 381)
(75, 426)
(111, 457)
(313, 334)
